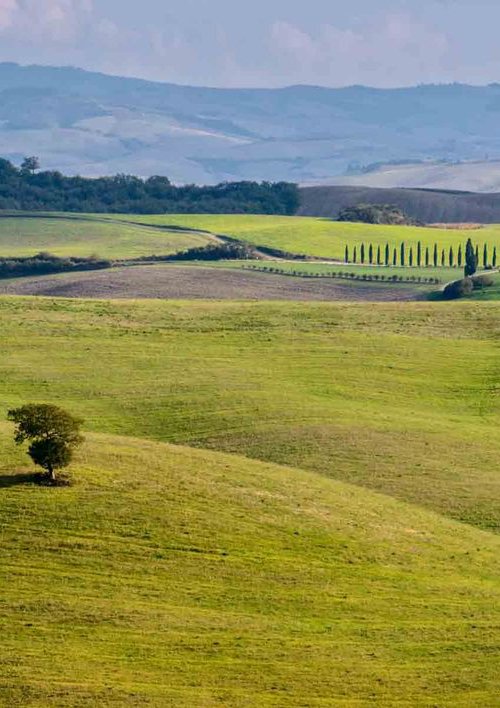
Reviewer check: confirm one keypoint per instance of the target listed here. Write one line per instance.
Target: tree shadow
(19, 479)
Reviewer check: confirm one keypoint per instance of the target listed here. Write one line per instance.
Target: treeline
(27, 189)
(46, 263)
(419, 256)
(211, 252)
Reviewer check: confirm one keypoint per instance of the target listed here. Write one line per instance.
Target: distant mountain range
(93, 124)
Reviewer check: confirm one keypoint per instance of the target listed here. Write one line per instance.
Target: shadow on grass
(19, 479)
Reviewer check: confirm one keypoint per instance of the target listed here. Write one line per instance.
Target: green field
(278, 504)
(169, 575)
(363, 569)
(357, 392)
(489, 293)
(88, 236)
(322, 237)
(130, 236)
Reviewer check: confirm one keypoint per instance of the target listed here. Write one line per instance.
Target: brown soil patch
(192, 282)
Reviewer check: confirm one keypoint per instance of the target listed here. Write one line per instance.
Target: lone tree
(53, 432)
(30, 165)
(470, 259)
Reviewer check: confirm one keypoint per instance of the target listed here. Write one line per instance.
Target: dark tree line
(418, 256)
(28, 189)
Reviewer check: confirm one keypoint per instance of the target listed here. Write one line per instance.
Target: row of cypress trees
(418, 256)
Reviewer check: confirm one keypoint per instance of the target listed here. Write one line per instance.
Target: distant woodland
(28, 189)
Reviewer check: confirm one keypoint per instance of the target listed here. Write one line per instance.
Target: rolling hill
(327, 537)
(93, 124)
(378, 395)
(428, 206)
(480, 176)
(318, 237)
(70, 235)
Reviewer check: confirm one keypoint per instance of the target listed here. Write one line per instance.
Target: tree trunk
(52, 474)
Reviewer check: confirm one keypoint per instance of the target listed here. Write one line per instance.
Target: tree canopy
(53, 432)
(375, 214)
(27, 189)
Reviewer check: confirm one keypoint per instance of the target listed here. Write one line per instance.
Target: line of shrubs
(47, 263)
(350, 276)
(212, 252)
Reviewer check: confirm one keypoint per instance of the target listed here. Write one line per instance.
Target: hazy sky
(261, 42)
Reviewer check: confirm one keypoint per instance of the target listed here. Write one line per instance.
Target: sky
(264, 43)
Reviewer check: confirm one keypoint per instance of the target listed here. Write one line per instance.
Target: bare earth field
(185, 282)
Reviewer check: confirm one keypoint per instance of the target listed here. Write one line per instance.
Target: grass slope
(168, 576)
(322, 237)
(87, 236)
(399, 398)
(489, 293)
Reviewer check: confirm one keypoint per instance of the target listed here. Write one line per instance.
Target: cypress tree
(470, 259)
(363, 253)
(387, 254)
(427, 257)
(370, 254)
(451, 259)
(355, 255)
(411, 256)
(347, 254)
(494, 258)
(443, 259)
(379, 256)
(419, 254)
(395, 257)
(459, 256)
(485, 256)
(435, 255)
(477, 256)
(403, 254)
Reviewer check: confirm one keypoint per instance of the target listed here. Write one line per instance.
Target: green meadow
(134, 236)
(323, 237)
(489, 293)
(377, 395)
(86, 236)
(277, 504)
(168, 576)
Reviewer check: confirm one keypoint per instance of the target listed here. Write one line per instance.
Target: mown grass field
(322, 237)
(171, 575)
(174, 577)
(88, 236)
(278, 504)
(382, 396)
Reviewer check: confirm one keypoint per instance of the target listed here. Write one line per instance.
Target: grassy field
(173, 577)
(322, 237)
(131, 236)
(489, 293)
(183, 576)
(87, 236)
(381, 395)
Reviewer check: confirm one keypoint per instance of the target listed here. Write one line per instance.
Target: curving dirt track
(188, 282)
